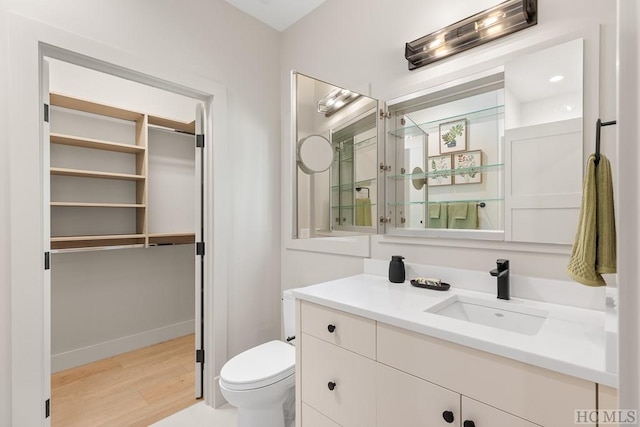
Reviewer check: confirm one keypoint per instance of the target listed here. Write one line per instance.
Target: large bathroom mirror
(335, 135)
(494, 156)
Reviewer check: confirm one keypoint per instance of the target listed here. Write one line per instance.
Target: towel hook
(599, 124)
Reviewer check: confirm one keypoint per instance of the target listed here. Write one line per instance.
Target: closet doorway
(125, 197)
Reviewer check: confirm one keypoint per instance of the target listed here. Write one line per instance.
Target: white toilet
(260, 381)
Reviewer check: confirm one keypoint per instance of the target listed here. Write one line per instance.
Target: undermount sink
(497, 314)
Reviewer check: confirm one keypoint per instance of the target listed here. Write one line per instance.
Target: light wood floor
(131, 389)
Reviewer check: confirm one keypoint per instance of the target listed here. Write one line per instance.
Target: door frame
(29, 42)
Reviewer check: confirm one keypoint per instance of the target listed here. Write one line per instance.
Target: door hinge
(384, 114)
(384, 168)
(46, 113)
(47, 260)
(384, 220)
(199, 356)
(200, 140)
(200, 248)
(47, 408)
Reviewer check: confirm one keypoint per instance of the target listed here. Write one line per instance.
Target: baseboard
(218, 398)
(92, 353)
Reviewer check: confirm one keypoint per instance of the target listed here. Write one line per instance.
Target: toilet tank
(289, 315)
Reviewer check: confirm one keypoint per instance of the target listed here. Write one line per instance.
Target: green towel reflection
(437, 215)
(363, 212)
(463, 215)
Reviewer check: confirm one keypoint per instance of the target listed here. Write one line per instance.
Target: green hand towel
(434, 210)
(439, 221)
(458, 210)
(363, 211)
(594, 247)
(463, 215)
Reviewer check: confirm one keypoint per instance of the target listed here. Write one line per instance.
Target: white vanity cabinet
(338, 367)
(408, 401)
(537, 395)
(354, 371)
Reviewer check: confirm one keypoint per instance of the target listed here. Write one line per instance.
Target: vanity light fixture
(501, 20)
(335, 100)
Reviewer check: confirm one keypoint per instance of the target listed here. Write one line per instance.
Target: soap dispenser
(396, 269)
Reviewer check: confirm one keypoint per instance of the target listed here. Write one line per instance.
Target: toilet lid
(260, 366)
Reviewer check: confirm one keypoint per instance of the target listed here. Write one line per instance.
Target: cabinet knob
(331, 328)
(468, 423)
(448, 416)
(332, 385)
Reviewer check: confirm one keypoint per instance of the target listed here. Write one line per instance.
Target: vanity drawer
(485, 415)
(346, 330)
(536, 394)
(407, 401)
(338, 383)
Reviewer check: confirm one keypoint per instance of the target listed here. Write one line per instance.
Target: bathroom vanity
(374, 353)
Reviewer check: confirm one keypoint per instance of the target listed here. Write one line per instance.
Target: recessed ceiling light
(556, 79)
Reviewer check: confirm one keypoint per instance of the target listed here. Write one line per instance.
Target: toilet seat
(259, 367)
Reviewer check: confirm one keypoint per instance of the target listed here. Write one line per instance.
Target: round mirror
(418, 183)
(315, 154)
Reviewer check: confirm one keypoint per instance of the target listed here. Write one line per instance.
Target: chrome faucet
(502, 273)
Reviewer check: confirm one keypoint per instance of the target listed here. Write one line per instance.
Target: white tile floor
(201, 415)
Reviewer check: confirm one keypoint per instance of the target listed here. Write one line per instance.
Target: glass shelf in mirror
(433, 127)
(449, 172)
(353, 185)
(431, 202)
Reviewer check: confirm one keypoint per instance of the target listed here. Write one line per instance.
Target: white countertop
(571, 340)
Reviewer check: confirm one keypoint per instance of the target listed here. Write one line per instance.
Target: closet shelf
(71, 242)
(171, 238)
(188, 127)
(96, 174)
(95, 205)
(92, 107)
(97, 144)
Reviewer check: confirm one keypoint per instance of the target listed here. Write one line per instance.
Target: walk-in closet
(124, 218)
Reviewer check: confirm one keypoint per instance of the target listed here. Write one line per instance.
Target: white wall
(217, 41)
(108, 302)
(5, 265)
(629, 251)
(367, 41)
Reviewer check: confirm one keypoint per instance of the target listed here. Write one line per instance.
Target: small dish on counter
(428, 283)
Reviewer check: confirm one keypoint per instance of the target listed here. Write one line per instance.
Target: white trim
(344, 245)
(475, 244)
(80, 356)
(28, 42)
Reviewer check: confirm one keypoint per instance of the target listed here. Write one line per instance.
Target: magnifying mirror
(315, 154)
